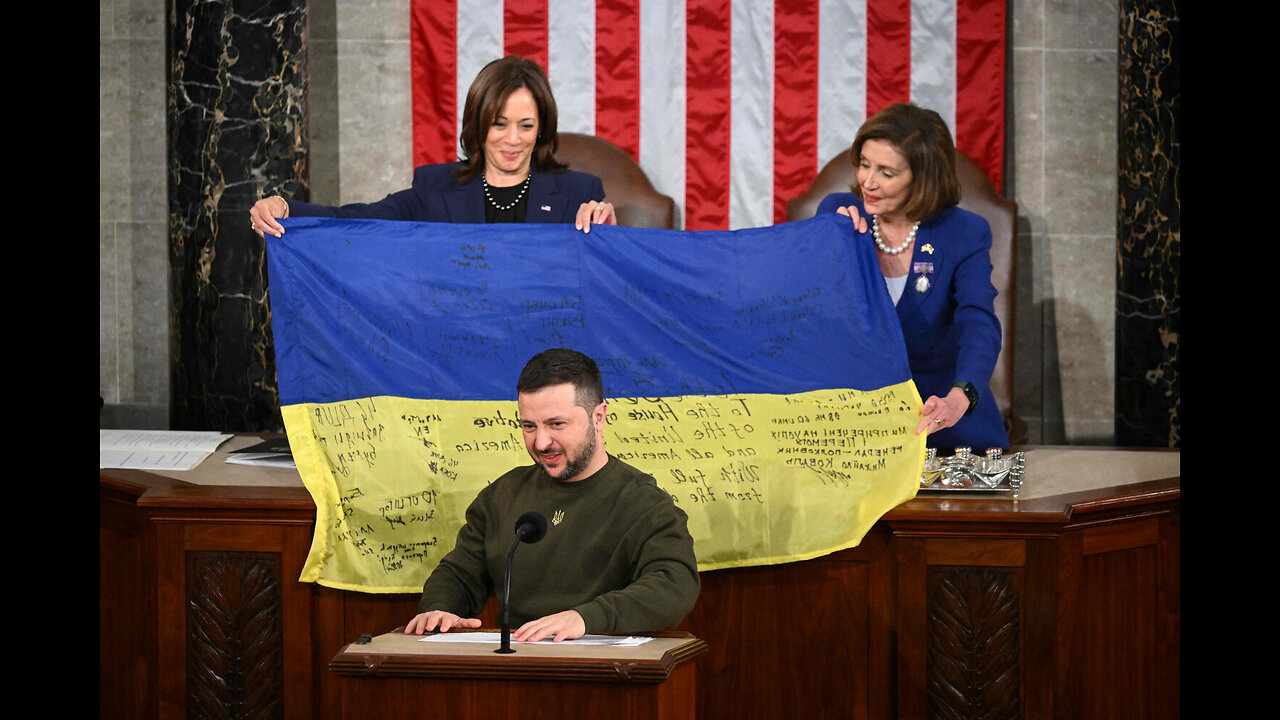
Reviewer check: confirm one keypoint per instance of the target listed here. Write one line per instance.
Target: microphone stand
(529, 528)
(505, 647)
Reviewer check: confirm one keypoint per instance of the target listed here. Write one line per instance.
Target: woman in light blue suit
(936, 260)
(509, 172)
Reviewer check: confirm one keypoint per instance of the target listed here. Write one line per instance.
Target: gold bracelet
(286, 207)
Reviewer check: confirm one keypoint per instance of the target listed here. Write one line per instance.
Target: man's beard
(578, 462)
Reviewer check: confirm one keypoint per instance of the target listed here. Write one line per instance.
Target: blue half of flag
(364, 308)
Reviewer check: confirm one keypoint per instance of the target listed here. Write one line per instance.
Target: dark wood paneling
(1117, 629)
(126, 611)
(960, 626)
(973, 636)
(1168, 673)
(401, 679)
(790, 640)
(235, 635)
(452, 699)
(1087, 583)
(1117, 655)
(1038, 630)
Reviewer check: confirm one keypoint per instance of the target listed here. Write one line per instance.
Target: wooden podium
(1069, 597)
(400, 676)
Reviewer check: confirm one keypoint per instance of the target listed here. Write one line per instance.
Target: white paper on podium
(496, 639)
(156, 449)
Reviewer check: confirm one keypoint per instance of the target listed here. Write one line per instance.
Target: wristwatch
(969, 392)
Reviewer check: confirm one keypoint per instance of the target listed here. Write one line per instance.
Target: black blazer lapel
(546, 202)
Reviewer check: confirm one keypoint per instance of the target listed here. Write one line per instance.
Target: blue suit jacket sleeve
(953, 323)
(951, 329)
(436, 197)
(976, 333)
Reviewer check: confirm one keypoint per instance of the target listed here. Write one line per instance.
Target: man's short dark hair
(558, 366)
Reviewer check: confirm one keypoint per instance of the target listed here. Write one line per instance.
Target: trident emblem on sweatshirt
(557, 517)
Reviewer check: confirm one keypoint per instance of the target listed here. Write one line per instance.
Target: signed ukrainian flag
(760, 375)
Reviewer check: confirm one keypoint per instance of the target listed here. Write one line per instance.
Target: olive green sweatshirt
(617, 550)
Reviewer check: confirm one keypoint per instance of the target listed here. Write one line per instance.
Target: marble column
(1148, 294)
(237, 132)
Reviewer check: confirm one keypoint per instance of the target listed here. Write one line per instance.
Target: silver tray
(938, 487)
(1007, 468)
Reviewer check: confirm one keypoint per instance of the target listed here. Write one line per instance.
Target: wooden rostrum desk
(402, 677)
(1061, 604)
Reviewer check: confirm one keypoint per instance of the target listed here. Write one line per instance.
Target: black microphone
(530, 528)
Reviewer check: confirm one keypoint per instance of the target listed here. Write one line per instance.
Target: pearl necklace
(875, 230)
(524, 187)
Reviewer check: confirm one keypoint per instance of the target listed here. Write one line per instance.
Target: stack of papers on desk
(496, 639)
(156, 449)
(268, 453)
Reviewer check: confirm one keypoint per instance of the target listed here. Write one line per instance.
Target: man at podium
(617, 555)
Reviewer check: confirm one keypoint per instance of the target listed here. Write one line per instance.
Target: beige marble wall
(1063, 119)
(361, 100)
(1063, 176)
(133, 338)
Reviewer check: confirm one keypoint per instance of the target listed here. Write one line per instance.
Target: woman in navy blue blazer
(936, 260)
(509, 172)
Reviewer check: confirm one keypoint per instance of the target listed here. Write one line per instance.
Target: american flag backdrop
(730, 106)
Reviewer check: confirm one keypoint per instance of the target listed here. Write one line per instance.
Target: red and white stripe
(730, 106)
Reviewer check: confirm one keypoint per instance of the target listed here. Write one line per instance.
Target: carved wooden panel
(973, 646)
(767, 665)
(938, 589)
(235, 642)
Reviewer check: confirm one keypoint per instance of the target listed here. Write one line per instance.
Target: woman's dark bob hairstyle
(486, 98)
(923, 139)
